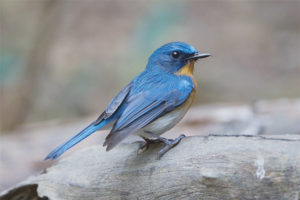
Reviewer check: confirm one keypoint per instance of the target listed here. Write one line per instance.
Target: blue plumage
(145, 104)
(151, 103)
(74, 140)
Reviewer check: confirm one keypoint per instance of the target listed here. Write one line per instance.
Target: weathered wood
(213, 167)
(262, 118)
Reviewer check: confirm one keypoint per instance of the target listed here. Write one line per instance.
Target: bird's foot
(144, 147)
(169, 144)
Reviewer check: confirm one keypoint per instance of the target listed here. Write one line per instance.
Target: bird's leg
(169, 143)
(146, 145)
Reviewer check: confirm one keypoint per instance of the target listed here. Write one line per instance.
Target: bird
(151, 104)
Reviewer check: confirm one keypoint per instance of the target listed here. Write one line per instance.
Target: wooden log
(211, 167)
(262, 118)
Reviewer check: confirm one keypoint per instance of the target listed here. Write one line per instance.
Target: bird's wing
(144, 107)
(103, 119)
(114, 104)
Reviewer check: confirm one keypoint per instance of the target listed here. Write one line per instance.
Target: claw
(144, 147)
(169, 144)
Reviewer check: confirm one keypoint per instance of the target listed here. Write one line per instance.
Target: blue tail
(74, 140)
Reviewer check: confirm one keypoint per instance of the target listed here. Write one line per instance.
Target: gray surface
(22, 152)
(214, 167)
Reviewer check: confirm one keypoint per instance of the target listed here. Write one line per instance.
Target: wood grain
(211, 167)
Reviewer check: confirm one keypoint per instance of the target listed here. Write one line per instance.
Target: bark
(200, 167)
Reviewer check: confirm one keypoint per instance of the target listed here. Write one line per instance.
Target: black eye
(175, 54)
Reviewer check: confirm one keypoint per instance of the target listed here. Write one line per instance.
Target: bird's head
(175, 57)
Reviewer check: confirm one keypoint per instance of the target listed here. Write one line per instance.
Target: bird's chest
(169, 120)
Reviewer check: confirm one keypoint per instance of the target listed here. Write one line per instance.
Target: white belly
(168, 121)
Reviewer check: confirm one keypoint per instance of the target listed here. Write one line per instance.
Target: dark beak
(197, 56)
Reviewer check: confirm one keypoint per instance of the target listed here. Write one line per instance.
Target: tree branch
(213, 167)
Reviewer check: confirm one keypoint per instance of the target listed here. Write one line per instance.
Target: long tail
(74, 140)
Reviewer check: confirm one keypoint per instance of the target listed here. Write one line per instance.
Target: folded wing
(143, 108)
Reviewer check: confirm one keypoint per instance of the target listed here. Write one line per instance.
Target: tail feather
(74, 140)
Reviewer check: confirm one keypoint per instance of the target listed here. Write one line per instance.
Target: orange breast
(188, 70)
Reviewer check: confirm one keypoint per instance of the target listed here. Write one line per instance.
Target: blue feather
(155, 92)
(111, 113)
(151, 96)
(74, 140)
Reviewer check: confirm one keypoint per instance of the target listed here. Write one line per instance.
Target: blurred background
(63, 60)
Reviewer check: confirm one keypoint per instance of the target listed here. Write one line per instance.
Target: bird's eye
(175, 54)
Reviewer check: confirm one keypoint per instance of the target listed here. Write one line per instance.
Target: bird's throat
(187, 70)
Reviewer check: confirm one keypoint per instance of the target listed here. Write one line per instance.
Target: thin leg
(169, 144)
(146, 145)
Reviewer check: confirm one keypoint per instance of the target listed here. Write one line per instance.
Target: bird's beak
(197, 56)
